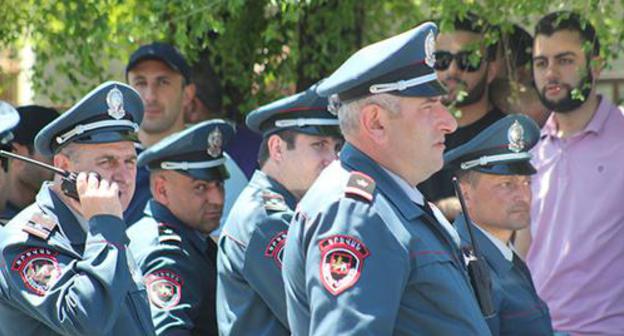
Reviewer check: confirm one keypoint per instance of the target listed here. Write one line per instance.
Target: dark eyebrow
(565, 54)
(560, 55)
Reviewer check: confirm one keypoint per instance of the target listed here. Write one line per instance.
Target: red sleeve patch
(164, 288)
(38, 269)
(342, 258)
(275, 248)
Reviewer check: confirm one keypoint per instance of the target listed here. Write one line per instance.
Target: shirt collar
(505, 250)
(412, 192)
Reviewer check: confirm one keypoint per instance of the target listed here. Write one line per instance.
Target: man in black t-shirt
(464, 63)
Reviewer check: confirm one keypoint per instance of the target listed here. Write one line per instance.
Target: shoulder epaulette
(273, 201)
(361, 185)
(167, 234)
(40, 225)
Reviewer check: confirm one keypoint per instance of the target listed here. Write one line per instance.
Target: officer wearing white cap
(171, 243)
(300, 138)
(365, 253)
(9, 118)
(494, 170)
(66, 269)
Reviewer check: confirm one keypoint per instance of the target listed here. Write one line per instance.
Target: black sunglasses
(466, 60)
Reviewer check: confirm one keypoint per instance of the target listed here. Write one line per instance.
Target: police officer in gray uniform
(65, 268)
(9, 118)
(171, 243)
(494, 171)
(300, 138)
(365, 253)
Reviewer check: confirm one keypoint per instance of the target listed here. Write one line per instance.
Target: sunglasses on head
(466, 61)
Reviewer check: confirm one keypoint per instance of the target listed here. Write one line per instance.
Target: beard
(473, 95)
(568, 103)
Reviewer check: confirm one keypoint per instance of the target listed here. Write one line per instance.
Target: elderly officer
(495, 174)
(365, 254)
(65, 265)
(171, 243)
(300, 139)
(9, 118)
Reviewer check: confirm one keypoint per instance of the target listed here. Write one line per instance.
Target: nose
(330, 155)
(148, 93)
(215, 195)
(446, 121)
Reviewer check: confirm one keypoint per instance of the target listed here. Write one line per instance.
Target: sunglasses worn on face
(466, 61)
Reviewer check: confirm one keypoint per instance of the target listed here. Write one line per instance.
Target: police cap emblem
(115, 103)
(430, 49)
(215, 143)
(515, 136)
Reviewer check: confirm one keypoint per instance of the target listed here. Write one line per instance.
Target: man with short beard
(577, 215)
(26, 179)
(464, 64)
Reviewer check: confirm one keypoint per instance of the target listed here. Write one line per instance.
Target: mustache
(459, 81)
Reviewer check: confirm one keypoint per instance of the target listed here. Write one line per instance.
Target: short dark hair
(263, 153)
(567, 20)
(473, 23)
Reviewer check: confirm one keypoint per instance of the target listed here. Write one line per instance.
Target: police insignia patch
(274, 201)
(164, 288)
(361, 185)
(38, 269)
(342, 258)
(275, 248)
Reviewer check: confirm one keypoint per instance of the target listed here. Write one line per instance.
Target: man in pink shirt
(577, 250)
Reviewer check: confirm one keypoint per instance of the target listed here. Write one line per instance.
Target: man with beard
(577, 224)
(26, 179)
(163, 78)
(494, 172)
(172, 243)
(464, 64)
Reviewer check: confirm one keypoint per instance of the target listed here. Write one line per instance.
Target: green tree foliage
(259, 49)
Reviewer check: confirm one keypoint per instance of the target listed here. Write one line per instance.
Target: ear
(191, 112)
(62, 161)
(189, 94)
(491, 71)
(373, 119)
(22, 150)
(467, 190)
(596, 66)
(276, 147)
(159, 188)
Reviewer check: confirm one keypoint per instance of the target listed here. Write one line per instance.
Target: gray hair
(349, 111)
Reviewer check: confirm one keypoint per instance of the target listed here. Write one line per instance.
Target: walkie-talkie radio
(477, 270)
(68, 184)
